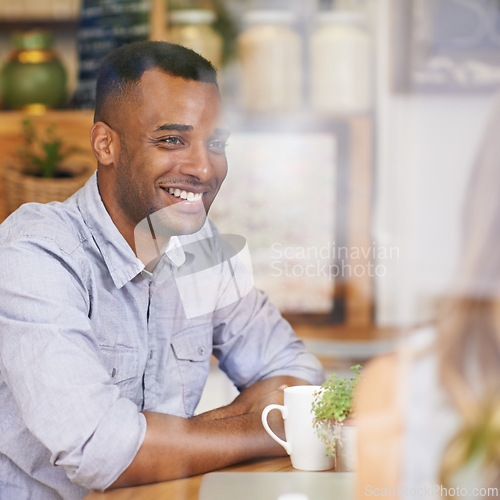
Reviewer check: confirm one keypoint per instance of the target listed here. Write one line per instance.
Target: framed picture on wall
(280, 195)
(446, 45)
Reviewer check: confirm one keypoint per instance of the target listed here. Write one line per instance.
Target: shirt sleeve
(252, 341)
(50, 363)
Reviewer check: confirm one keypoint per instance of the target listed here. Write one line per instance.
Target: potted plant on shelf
(332, 418)
(41, 171)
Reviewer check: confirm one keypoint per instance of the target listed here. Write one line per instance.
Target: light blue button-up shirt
(89, 338)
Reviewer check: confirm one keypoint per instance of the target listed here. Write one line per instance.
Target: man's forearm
(176, 447)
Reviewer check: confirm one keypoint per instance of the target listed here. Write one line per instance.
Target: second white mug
(306, 450)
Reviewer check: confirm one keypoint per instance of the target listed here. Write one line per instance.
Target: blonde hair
(469, 330)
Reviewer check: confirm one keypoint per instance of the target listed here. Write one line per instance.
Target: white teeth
(185, 195)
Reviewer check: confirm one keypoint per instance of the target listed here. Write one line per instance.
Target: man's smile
(189, 202)
(184, 195)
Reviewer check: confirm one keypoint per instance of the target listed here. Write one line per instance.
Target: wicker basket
(20, 188)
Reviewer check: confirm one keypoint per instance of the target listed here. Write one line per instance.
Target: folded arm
(176, 447)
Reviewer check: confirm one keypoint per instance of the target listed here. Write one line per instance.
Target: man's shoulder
(59, 223)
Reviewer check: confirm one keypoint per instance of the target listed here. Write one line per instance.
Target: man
(101, 367)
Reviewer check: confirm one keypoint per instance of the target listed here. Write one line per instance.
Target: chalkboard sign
(446, 45)
(105, 25)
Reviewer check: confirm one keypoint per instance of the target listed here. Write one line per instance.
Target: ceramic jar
(340, 64)
(33, 78)
(193, 29)
(270, 53)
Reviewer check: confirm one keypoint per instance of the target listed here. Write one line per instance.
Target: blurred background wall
(434, 72)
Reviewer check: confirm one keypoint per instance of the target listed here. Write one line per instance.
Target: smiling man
(101, 366)
(165, 145)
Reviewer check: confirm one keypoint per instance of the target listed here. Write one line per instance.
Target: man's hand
(276, 396)
(255, 398)
(176, 447)
(268, 391)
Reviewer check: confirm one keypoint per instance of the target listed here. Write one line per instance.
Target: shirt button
(202, 350)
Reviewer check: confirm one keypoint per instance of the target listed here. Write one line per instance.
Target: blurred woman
(429, 414)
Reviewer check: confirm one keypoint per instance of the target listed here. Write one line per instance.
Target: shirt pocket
(192, 349)
(122, 364)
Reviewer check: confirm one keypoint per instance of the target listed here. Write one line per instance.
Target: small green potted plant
(332, 413)
(41, 171)
(43, 154)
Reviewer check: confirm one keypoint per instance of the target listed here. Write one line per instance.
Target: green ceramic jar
(33, 78)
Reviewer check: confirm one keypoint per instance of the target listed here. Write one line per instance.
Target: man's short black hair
(125, 66)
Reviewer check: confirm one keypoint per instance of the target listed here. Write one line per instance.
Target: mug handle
(284, 414)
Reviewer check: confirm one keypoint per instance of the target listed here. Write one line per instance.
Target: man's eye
(218, 146)
(172, 141)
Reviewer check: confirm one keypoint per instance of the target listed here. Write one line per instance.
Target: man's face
(172, 153)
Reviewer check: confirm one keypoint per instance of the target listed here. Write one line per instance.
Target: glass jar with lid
(270, 53)
(341, 63)
(193, 29)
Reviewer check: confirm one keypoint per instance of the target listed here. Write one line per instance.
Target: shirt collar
(175, 252)
(122, 263)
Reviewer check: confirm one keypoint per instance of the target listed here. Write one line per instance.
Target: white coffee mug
(306, 450)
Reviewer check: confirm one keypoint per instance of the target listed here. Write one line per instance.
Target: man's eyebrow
(179, 127)
(174, 126)
(222, 132)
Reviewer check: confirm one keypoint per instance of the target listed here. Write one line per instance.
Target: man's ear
(105, 143)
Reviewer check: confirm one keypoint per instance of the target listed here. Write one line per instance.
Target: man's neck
(149, 247)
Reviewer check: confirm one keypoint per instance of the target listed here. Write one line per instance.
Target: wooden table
(188, 489)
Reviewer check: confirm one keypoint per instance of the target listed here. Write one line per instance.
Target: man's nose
(197, 163)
